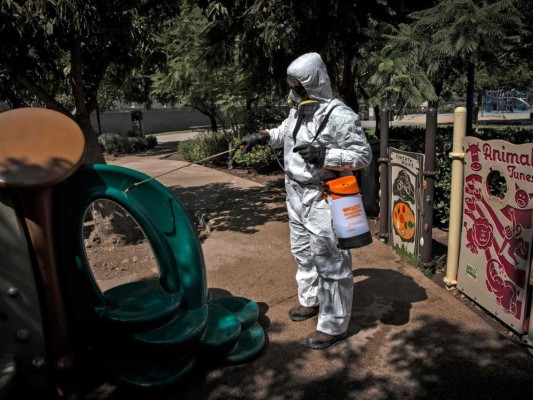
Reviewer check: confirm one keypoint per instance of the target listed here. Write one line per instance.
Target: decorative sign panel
(497, 234)
(405, 171)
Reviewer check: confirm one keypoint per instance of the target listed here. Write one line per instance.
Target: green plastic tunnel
(150, 319)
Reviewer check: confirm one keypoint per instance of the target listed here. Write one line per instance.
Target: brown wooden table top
(38, 148)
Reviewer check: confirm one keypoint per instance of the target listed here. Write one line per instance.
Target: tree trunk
(477, 107)
(377, 115)
(94, 154)
(213, 119)
(230, 156)
(470, 75)
(347, 83)
(212, 116)
(112, 224)
(98, 120)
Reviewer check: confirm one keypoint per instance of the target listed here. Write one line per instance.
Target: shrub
(111, 143)
(115, 144)
(261, 158)
(152, 141)
(204, 145)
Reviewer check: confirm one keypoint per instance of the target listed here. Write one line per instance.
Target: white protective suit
(324, 273)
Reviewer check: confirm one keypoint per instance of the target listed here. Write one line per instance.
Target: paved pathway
(409, 338)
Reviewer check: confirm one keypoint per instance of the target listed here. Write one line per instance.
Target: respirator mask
(299, 99)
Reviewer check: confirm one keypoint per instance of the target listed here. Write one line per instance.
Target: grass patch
(413, 260)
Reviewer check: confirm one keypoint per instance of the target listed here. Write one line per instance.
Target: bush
(204, 145)
(115, 144)
(152, 141)
(261, 158)
(209, 143)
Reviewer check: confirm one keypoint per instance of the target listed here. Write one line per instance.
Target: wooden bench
(200, 128)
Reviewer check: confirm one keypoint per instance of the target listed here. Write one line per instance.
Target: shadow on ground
(382, 296)
(231, 208)
(427, 358)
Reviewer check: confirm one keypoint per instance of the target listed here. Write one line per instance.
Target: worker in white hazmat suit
(322, 140)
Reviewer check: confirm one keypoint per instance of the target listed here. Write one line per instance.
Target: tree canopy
(219, 55)
(57, 52)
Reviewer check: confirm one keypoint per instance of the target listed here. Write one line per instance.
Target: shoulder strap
(297, 126)
(323, 123)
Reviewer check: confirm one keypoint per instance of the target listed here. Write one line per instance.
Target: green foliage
(465, 29)
(410, 258)
(61, 41)
(152, 141)
(413, 260)
(262, 118)
(397, 80)
(204, 145)
(261, 158)
(189, 73)
(412, 138)
(115, 144)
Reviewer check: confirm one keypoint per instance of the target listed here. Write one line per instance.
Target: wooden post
(384, 176)
(456, 197)
(429, 188)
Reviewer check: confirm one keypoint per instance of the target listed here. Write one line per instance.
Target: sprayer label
(352, 211)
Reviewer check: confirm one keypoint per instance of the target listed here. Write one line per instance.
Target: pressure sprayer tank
(348, 213)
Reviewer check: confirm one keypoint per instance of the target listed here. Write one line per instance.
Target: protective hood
(311, 71)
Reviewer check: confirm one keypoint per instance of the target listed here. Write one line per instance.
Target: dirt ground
(114, 262)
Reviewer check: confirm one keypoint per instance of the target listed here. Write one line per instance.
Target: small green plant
(204, 145)
(410, 258)
(260, 158)
(413, 260)
(152, 141)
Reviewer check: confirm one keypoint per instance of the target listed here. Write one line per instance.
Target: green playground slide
(158, 329)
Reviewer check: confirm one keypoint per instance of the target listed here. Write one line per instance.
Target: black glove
(311, 154)
(253, 139)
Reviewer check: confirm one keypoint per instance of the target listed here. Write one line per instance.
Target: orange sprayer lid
(343, 186)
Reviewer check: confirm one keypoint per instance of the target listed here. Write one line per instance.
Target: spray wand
(183, 166)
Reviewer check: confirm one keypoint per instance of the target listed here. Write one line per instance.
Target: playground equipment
(407, 186)
(500, 101)
(145, 334)
(491, 233)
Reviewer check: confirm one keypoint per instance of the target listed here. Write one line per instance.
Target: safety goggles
(295, 85)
